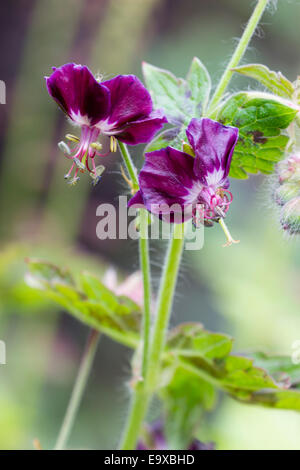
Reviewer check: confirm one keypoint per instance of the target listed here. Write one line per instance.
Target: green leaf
(280, 367)
(91, 302)
(274, 81)
(260, 117)
(167, 92)
(184, 409)
(192, 339)
(208, 357)
(199, 84)
(164, 139)
(181, 99)
(42, 275)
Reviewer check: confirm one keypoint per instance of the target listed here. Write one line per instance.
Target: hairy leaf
(274, 81)
(208, 357)
(168, 93)
(181, 99)
(199, 86)
(91, 302)
(280, 367)
(260, 117)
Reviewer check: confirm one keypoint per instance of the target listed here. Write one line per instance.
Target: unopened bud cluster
(287, 193)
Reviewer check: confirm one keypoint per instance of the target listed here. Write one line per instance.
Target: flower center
(84, 152)
(212, 205)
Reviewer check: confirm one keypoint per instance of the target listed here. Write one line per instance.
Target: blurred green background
(250, 291)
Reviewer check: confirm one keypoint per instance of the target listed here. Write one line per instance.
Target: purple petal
(137, 200)
(167, 179)
(79, 94)
(213, 145)
(142, 131)
(130, 101)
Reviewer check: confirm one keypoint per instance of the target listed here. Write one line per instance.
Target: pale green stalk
(78, 390)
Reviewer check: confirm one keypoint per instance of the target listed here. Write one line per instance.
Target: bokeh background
(250, 291)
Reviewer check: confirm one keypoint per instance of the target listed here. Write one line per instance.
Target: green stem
(78, 390)
(144, 389)
(129, 166)
(144, 258)
(164, 306)
(238, 53)
(145, 268)
(138, 408)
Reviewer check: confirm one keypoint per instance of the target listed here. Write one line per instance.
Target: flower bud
(289, 169)
(285, 192)
(290, 216)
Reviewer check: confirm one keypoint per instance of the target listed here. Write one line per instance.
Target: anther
(96, 174)
(74, 181)
(79, 164)
(113, 144)
(72, 138)
(64, 147)
(96, 145)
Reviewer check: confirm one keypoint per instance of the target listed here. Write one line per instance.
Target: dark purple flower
(176, 184)
(156, 440)
(120, 108)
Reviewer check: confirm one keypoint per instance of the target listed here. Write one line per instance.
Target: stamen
(225, 194)
(230, 240)
(79, 164)
(96, 145)
(68, 175)
(96, 175)
(72, 138)
(64, 148)
(113, 144)
(74, 181)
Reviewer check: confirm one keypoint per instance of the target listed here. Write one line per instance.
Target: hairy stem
(145, 268)
(238, 53)
(144, 389)
(78, 390)
(165, 302)
(144, 258)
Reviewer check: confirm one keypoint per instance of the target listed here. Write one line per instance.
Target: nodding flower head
(120, 108)
(187, 187)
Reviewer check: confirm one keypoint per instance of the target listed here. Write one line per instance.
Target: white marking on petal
(81, 120)
(194, 192)
(214, 178)
(107, 127)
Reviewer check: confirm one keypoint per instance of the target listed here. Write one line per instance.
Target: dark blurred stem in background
(19, 20)
(78, 390)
